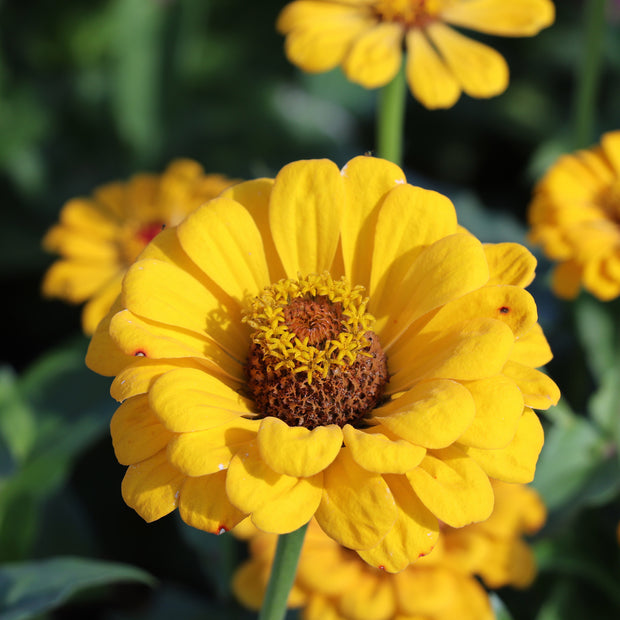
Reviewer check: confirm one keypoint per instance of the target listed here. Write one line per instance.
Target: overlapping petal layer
(575, 216)
(98, 238)
(333, 583)
(366, 39)
(461, 343)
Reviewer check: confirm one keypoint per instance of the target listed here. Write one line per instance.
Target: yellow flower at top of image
(327, 343)
(575, 217)
(332, 583)
(99, 237)
(367, 37)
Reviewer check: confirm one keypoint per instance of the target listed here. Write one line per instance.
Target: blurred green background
(93, 92)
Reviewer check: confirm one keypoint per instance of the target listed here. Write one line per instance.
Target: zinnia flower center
(412, 13)
(314, 359)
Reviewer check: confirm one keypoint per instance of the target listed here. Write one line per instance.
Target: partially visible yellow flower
(575, 216)
(99, 237)
(328, 343)
(334, 584)
(366, 38)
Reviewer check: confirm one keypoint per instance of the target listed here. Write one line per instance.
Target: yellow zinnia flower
(366, 38)
(326, 343)
(575, 216)
(334, 584)
(99, 237)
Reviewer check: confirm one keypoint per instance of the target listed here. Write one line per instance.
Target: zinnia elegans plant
(575, 216)
(332, 583)
(100, 236)
(366, 37)
(329, 344)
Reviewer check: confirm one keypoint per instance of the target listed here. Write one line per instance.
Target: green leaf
(499, 609)
(17, 423)
(31, 588)
(595, 327)
(572, 452)
(137, 30)
(604, 404)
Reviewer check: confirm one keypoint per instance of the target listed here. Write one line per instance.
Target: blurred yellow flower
(328, 343)
(333, 584)
(100, 236)
(366, 37)
(575, 216)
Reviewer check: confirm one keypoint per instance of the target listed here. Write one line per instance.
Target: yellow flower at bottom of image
(99, 237)
(333, 583)
(575, 217)
(367, 37)
(330, 344)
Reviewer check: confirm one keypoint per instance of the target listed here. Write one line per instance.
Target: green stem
(282, 574)
(589, 72)
(391, 119)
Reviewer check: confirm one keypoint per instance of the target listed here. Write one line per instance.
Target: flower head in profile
(366, 38)
(332, 344)
(333, 583)
(100, 236)
(575, 216)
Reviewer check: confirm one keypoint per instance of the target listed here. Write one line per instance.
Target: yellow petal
(409, 219)
(499, 405)
(80, 245)
(479, 349)
(370, 598)
(188, 400)
(222, 239)
(367, 180)
(159, 291)
(413, 535)
(139, 337)
(453, 487)
(203, 504)
(378, 453)
(320, 33)
(432, 414)
(517, 18)
(447, 269)
(254, 196)
(249, 584)
(139, 376)
(426, 592)
(539, 391)
(375, 56)
(103, 355)
(209, 451)
(77, 280)
(479, 69)
(566, 279)
(517, 461)
(298, 451)
(99, 305)
(305, 212)
(430, 80)
(90, 218)
(510, 263)
(292, 509)
(276, 502)
(357, 508)
(532, 348)
(137, 434)
(152, 487)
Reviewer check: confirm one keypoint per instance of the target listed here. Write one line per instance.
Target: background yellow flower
(234, 325)
(575, 216)
(366, 38)
(99, 237)
(332, 583)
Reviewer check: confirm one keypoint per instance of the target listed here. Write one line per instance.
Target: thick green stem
(391, 119)
(589, 72)
(282, 574)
